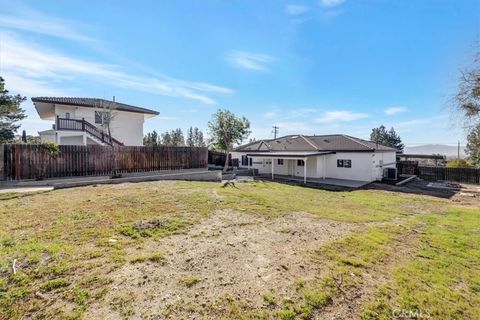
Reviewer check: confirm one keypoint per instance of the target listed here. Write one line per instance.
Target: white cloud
(32, 87)
(395, 110)
(331, 3)
(39, 69)
(301, 113)
(295, 10)
(413, 123)
(249, 60)
(270, 115)
(410, 123)
(35, 22)
(340, 116)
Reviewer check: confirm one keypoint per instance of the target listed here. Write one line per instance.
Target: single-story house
(80, 121)
(335, 156)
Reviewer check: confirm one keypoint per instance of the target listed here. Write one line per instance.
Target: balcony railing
(85, 126)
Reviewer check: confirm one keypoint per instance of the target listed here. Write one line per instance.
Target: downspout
(272, 169)
(305, 171)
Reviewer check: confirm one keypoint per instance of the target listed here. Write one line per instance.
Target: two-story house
(81, 121)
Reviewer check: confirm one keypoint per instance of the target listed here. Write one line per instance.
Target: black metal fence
(431, 173)
(216, 158)
(466, 175)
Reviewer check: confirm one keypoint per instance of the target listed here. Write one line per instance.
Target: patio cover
(296, 155)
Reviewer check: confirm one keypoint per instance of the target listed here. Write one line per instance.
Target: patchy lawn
(258, 250)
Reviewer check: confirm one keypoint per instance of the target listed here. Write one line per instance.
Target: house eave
(281, 155)
(147, 112)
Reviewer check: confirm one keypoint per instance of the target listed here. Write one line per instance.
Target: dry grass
(67, 243)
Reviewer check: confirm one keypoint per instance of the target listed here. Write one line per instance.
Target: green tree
(166, 139)
(10, 113)
(190, 138)
(34, 139)
(388, 138)
(226, 129)
(24, 136)
(151, 139)
(473, 145)
(147, 139)
(459, 163)
(177, 138)
(198, 138)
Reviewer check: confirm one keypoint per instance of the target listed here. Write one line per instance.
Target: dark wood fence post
(17, 162)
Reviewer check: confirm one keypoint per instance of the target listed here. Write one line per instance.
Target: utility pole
(275, 131)
(458, 150)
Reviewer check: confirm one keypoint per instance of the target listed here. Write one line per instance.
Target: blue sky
(309, 67)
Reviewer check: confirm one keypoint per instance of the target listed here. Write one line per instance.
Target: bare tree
(467, 99)
(107, 114)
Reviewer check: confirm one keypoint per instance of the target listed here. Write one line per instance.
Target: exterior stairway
(85, 126)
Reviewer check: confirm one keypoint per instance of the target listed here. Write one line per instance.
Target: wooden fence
(430, 173)
(23, 161)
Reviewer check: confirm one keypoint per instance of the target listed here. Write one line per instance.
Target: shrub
(459, 163)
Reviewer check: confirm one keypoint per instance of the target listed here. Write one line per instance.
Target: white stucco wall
(383, 160)
(361, 170)
(72, 140)
(366, 166)
(126, 127)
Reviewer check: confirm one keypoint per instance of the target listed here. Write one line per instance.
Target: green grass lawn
(65, 244)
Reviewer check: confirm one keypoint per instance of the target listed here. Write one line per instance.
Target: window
(343, 163)
(101, 117)
(300, 163)
(67, 115)
(250, 162)
(245, 161)
(280, 162)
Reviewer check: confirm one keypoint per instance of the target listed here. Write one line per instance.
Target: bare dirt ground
(229, 254)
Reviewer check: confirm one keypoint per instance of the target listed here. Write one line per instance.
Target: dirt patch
(145, 225)
(230, 254)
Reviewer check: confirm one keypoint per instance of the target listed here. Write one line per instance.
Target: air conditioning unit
(390, 173)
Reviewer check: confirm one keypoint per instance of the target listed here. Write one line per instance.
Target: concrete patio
(318, 181)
